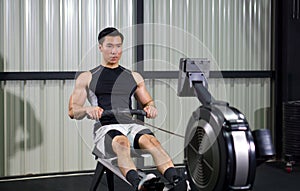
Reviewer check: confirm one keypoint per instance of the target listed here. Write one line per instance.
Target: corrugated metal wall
(60, 35)
(51, 35)
(233, 34)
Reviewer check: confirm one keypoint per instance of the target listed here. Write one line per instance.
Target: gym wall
(56, 35)
(234, 35)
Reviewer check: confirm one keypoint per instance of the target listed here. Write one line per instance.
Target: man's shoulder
(135, 73)
(137, 77)
(96, 69)
(87, 73)
(124, 69)
(84, 78)
(83, 74)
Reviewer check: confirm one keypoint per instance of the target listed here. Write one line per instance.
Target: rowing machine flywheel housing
(219, 149)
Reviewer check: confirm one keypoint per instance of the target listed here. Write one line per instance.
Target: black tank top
(111, 89)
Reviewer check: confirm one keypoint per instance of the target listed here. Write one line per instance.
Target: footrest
(154, 185)
(182, 185)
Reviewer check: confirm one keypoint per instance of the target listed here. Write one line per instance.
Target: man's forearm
(149, 103)
(77, 112)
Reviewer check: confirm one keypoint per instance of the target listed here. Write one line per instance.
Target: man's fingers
(99, 112)
(151, 111)
(94, 113)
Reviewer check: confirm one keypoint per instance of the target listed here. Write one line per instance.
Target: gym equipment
(291, 134)
(220, 151)
(109, 165)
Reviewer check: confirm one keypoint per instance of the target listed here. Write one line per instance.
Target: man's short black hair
(109, 31)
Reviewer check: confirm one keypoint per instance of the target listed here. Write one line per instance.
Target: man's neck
(109, 65)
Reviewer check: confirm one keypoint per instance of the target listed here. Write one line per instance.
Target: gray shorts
(103, 142)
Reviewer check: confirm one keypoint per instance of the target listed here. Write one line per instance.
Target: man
(111, 86)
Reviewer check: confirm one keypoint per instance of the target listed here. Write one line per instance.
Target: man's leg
(152, 145)
(117, 144)
(121, 147)
(162, 160)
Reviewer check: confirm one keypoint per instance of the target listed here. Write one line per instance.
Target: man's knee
(120, 143)
(148, 141)
(111, 137)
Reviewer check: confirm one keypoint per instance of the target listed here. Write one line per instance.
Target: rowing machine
(220, 151)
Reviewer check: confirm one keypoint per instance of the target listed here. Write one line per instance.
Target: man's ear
(100, 47)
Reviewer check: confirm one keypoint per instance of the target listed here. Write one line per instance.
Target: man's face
(111, 49)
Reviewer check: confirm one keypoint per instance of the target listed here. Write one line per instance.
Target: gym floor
(270, 176)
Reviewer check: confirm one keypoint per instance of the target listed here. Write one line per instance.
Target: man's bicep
(70, 110)
(142, 94)
(79, 94)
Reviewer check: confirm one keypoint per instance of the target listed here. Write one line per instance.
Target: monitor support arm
(199, 82)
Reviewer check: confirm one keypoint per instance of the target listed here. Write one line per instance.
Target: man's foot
(148, 182)
(180, 184)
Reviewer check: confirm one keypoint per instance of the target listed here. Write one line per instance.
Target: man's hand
(94, 112)
(151, 111)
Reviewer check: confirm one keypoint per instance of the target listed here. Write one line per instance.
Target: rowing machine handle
(123, 112)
